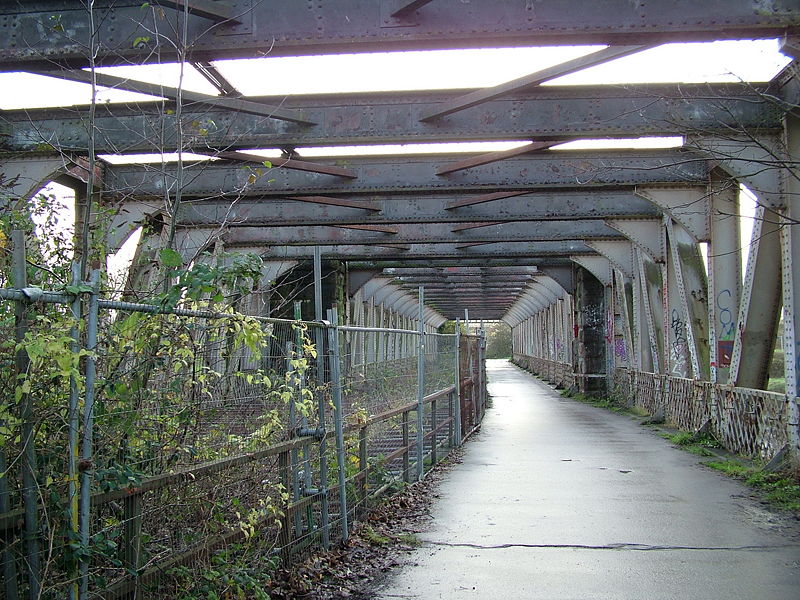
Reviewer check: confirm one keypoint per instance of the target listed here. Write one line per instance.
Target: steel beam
(756, 161)
(724, 274)
(421, 233)
(156, 90)
(790, 278)
(760, 306)
(647, 234)
(558, 112)
(577, 64)
(328, 210)
(689, 206)
(599, 266)
(620, 253)
(509, 253)
(492, 157)
(690, 279)
(407, 174)
(125, 34)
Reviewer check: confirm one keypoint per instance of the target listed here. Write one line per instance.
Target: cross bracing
(604, 211)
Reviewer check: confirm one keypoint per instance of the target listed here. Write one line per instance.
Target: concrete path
(560, 500)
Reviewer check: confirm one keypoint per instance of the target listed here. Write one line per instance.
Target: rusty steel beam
(215, 78)
(563, 169)
(475, 226)
(558, 112)
(208, 9)
(377, 228)
(490, 157)
(402, 8)
(287, 163)
(533, 79)
(473, 200)
(153, 89)
(332, 201)
(125, 31)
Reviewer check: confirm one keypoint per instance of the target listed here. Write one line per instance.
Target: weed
(409, 539)
(780, 489)
(373, 537)
(729, 467)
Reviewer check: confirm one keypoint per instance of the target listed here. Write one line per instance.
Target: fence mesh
(212, 444)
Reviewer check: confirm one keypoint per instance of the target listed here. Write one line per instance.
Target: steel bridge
(593, 257)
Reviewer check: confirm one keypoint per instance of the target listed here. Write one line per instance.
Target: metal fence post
(319, 340)
(295, 475)
(338, 417)
(28, 454)
(458, 435)
(421, 385)
(363, 465)
(85, 464)
(406, 444)
(74, 397)
(307, 481)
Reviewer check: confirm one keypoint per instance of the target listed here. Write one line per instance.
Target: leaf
(170, 258)
(141, 41)
(267, 164)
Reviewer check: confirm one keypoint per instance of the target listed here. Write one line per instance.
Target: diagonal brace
(142, 87)
(565, 68)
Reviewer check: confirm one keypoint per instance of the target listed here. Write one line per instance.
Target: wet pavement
(560, 500)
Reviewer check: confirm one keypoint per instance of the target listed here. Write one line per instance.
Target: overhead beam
(153, 89)
(287, 163)
(208, 9)
(508, 253)
(491, 157)
(422, 233)
(567, 169)
(402, 8)
(215, 78)
(351, 26)
(558, 112)
(565, 68)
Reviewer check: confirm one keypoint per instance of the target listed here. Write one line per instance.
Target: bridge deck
(556, 499)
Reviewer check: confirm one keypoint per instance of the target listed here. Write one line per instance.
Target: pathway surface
(560, 500)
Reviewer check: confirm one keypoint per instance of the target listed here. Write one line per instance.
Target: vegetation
(498, 340)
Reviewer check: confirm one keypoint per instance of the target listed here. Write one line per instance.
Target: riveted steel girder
(543, 205)
(393, 118)
(423, 233)
(137, 32)
(549, 169)
(511, 252)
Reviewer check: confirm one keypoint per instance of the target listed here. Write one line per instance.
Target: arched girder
(619, 253)
(599, 266)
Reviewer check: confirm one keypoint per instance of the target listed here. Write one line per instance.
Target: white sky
(724, 61)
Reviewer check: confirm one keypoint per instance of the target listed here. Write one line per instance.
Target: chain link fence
(155, 452)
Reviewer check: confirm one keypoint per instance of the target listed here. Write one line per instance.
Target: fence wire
(204, 448)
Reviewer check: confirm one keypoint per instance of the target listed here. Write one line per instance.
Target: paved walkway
(560, 500)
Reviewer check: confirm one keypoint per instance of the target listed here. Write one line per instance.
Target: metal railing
(751, 422)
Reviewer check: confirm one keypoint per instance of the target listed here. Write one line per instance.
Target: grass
(779, 489)
(598, 401)
(695, 444)
(409, 539)
(373, 537)
(731, 468)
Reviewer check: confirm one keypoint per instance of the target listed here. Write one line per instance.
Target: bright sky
(723, 61)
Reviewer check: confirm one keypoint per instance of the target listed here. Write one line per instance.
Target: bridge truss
(592, 257)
